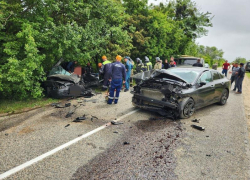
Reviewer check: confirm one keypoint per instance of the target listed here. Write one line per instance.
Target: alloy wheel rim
(224, 98)
(189, 109)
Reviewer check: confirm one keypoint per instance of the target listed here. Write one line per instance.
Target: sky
(231, 26)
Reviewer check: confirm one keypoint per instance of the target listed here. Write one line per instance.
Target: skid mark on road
(39, 158)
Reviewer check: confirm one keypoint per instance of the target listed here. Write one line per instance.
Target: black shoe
(234, 89)
(125, 90)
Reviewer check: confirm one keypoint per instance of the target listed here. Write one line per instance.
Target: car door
(218, 84)
(205, 93)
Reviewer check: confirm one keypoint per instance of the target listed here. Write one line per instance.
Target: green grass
(248, 74)
(12, 106)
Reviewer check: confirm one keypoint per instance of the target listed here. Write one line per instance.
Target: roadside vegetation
(248, 74)
(15, 106)
(35, 34)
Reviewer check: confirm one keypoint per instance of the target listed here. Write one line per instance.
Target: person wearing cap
(118, 75)
(128, 66)
(198, 63)
(148, 64)
(106, 65)
(158, 64)
(240, 78)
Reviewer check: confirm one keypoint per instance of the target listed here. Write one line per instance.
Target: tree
(240, 60)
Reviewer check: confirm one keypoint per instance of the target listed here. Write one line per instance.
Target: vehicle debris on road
(67, 125)
(116, 123)
(80, 119)
(198, 127)
(196, 120)
(67, 104)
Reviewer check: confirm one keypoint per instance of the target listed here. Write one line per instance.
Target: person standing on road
(139, 66)
(225, 68)
(158, 64)
(172, 64)
(106, 65)
(166, 64)
(172, 59)
(128, 73)
(118, 75)
(234, 75)
(240, 78)
(233, 65)
(148, 64)
(198, 63)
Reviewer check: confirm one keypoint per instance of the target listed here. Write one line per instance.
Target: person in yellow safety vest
(106, 66)
(158, 64)
(139, 66)
(148, 64)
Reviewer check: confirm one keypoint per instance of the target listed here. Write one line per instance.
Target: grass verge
(12, 106)
(248, 74)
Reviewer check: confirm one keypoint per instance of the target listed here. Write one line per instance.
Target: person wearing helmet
(139, 65)
(128, 67)
(158, 64)
(106, 65)
(118, 75)
(148, 64)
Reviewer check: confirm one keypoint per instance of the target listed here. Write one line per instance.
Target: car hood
(158, 74)
(58, 77)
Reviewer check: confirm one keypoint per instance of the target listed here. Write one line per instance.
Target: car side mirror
(202, 84)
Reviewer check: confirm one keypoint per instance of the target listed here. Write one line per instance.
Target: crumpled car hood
(72, 78)
(163, 73)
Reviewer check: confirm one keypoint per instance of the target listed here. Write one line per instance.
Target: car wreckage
(178, 92)
(60, 84)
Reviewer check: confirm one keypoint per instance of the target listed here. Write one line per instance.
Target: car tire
(224, 97)
(187, 108)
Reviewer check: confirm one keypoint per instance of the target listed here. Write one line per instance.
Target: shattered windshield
(186, 74)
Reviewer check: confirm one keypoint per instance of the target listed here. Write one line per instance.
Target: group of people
(117, 73)
(166, 65)
(238, 74)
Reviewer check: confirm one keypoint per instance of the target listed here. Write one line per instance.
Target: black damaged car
(178, 92)
(61, 84)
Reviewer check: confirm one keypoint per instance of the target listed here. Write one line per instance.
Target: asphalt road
(145, 146)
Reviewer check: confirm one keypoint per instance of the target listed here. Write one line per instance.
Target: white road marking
(53, 151)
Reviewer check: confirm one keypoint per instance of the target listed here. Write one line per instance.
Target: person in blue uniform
(118, 76)
(128, 66)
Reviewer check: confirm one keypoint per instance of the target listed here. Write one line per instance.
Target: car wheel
(224, 97)
(187, 108)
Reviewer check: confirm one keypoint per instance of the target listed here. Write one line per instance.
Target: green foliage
(211, 55)
(35, 34)
(22, 77)
(240, 60)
